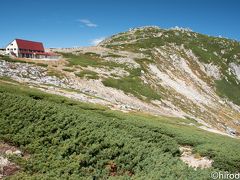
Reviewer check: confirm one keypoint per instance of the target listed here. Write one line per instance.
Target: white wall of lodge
(12, 48)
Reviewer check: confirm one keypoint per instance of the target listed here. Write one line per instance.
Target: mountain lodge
(29, 49)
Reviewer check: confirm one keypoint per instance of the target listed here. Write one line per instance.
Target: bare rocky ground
(8, 168)
(194, 160)
(83, 89)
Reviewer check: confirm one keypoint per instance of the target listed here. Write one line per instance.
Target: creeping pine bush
(70, 140)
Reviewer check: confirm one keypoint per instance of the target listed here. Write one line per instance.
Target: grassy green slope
(68, 139)
(88, 59)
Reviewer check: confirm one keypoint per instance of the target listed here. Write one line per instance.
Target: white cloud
(97, 41)
(87, 23)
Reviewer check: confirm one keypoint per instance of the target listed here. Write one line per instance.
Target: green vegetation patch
(231, 90)
(113, 55)
(68, 69)
(52, 72)
(87, 74)
(42, 64)
(9, 59)
(134, 85)
(6, 58)
(88, 60)
(67, 139)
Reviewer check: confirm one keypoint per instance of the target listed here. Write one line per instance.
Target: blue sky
(69, 23)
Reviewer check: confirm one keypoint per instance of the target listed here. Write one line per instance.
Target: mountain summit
(195, 74)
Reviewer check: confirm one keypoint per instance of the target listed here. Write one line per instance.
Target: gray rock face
(3, 162)
(28, 72)
(231, 131)
(236, 70)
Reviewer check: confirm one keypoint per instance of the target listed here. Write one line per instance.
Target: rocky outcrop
(8, 168)
(194, 160)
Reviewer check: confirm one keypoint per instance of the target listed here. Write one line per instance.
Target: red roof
(24, 44)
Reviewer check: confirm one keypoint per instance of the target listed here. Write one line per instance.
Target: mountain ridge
(174, 72)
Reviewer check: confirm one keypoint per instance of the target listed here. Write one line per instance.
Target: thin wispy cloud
(87, 23)
(96, 41)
